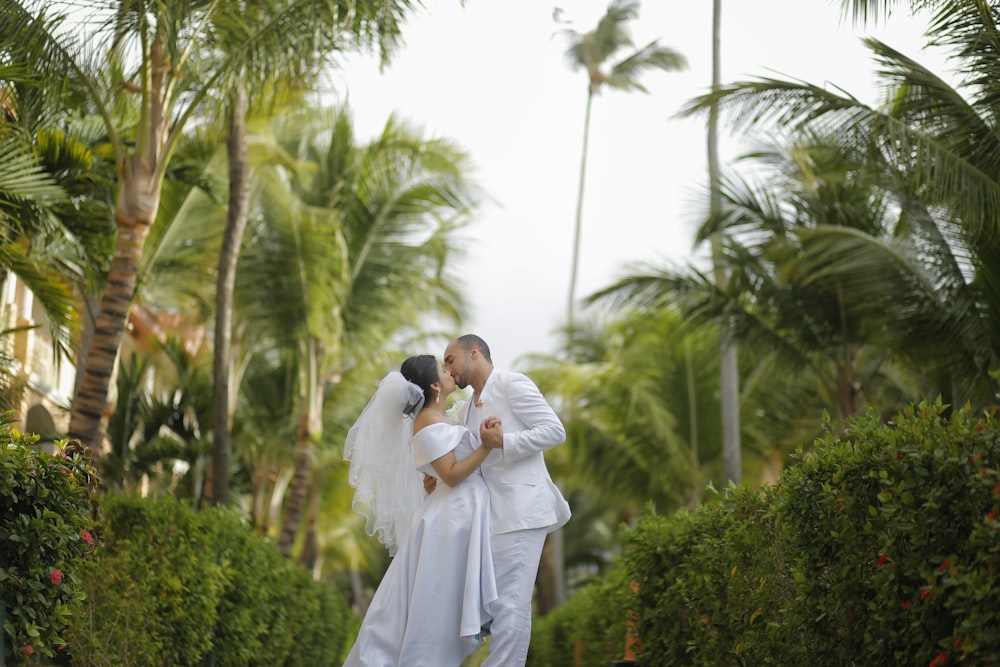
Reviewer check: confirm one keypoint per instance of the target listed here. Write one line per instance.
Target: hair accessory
(414, 398)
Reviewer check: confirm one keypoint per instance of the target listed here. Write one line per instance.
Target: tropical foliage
(859, 252)
(47, 531)
(930, 278)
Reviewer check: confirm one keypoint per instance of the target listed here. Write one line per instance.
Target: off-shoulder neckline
(451, 424)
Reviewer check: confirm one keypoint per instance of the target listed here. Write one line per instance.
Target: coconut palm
(816, 343)
(935, 147)
(599, 53)
(639, 431)
(353, 243)
(361, 32)
(146, 71)
(729, 401)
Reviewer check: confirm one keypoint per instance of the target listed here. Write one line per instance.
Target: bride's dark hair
(422, 370)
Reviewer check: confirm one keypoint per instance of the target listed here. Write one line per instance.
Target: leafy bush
(153, 589)
(46, 532)
(587, 629)
(880, 546)
(176, 586)
(709, 591)
(894, 542)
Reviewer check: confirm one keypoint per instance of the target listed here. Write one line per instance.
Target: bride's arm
(452, 471)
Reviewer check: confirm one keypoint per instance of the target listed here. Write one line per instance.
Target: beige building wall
(49, 377)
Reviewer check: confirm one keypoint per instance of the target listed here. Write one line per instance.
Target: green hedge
(880, 546)
(46, 532)
(175, 586)
(585, 630)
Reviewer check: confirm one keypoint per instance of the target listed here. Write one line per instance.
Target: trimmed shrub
(881, 546)
(709, 590)
(46, 533)
(894, 541)
(175, 586)
(153, 589)
(588, 628)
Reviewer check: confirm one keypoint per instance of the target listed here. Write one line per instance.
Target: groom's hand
(430, 483)
(491, 433)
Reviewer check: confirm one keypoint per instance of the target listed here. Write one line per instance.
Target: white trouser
(515, 558)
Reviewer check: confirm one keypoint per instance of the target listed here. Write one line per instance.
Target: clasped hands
(491, 435)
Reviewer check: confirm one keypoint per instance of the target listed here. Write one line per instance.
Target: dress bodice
(435, 440)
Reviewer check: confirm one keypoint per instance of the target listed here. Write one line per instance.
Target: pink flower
(87, 538)
(28, 650)
(56, 577)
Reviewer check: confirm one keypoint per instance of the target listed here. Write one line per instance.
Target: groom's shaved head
(469, 341)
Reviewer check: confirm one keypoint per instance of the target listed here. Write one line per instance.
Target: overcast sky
(493, 77)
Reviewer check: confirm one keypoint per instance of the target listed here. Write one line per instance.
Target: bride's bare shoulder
(423, 420)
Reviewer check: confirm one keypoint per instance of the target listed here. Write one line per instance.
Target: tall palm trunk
(729, 368)
(692, 395)
(571, 302)
(552, 568)
(138, 200)
(310, 556)
(236, 223)
(135, 210)
(309, 432)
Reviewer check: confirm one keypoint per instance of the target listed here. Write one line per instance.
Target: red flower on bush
(882, 558)
(958, 641)
(28, 650)
(996, 489)
(944, 564)
(87, 538)
(924, 594)
(941, 659)
(56, 577)
(992, 516)
(905, 604)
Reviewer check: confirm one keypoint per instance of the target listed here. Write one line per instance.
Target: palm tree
(729, 401)
(592, 51)
(146, 71)
(354, 242)
(934, 147)
(362, 32)
(818, 344)
(640, 432)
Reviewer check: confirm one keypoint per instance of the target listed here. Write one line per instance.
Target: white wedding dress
(436, 594)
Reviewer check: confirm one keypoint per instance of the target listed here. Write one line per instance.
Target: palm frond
(624, 74)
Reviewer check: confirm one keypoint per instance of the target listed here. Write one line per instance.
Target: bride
(435, 596)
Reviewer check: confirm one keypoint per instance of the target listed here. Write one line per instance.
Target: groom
(526, 503)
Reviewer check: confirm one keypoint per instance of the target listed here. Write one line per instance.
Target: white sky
(493, 77)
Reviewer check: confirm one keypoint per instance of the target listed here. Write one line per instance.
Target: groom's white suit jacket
(522, 493)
